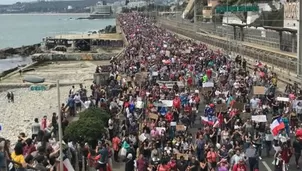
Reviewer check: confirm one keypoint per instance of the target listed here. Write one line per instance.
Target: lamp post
(195, 16)
(299, 49)
(60, 127)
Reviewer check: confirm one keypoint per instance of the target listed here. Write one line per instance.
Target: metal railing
(271, 38)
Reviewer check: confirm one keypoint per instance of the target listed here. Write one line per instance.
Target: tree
(90, 126)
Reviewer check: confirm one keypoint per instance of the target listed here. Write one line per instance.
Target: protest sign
(160, 129)
(207, 84)
(154, 74)
(167, 53)
(168, 103)
(142, 137)
(259, 90)
(282, 99)
(153, 116)
(173, 124)
(239, 106)
(180, 128)
(259, 118)
(169, 84)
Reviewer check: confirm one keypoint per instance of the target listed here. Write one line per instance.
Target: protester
(163, 86)
(175, 80)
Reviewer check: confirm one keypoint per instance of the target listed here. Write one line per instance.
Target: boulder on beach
(33, 79)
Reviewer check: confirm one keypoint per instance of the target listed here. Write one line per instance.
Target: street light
(60, 127)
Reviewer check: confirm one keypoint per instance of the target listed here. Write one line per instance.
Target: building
(101, 10)
(291, 15)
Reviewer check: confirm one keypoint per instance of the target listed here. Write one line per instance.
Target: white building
(291, 15)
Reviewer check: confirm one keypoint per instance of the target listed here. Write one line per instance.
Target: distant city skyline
(7, 2)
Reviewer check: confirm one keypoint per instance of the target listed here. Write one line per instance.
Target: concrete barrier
(7, 86)
(41, 57)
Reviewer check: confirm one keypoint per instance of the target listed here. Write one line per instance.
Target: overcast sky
(13, 1)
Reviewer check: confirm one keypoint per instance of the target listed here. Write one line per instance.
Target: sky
(13, 1)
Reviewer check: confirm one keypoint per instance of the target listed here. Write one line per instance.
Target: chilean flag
(208, 120)
(276, 126)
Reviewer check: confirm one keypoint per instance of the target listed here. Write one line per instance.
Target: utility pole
(195, 15)
(299, 57)
(227, 29)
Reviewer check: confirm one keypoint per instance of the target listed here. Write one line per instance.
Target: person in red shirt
(116, 147)
(240, 166)
(209, 73)
(197, 100)
(188, 109)
(172, 164)
(176, 103)
(190, 81)
(286, 154)
(44, 123)
(169, 117)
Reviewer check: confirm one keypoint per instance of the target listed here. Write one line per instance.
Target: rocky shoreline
(22, 51)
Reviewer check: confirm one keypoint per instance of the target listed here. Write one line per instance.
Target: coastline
(26, 50)
(62, 14)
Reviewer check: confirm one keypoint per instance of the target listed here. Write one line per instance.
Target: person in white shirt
(72, 91)
(78, 102)
(35, 128)
(254, 103)
(111, 127)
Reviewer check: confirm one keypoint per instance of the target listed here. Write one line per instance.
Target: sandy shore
(18, 117)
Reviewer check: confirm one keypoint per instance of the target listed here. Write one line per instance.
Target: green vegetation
(90, 126)
(267, 18)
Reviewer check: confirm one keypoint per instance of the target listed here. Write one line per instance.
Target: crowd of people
(39, 148)
(168, 84)
(176, 106)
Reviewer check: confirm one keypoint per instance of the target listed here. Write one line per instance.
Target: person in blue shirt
(163, 110)
(71, 105)
(184, 99)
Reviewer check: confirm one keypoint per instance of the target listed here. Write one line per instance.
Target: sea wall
(22, 51)
(120, 31)
(41, 57)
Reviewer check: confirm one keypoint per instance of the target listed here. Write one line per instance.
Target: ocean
(25, 29)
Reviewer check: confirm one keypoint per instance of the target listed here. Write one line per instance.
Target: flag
(1, 127)
(208, 120)
(276, 126)
(66, 165)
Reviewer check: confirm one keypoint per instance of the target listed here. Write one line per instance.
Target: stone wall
(72, 57)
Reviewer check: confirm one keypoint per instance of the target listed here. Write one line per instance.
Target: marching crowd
(168, 84)
(178, 106)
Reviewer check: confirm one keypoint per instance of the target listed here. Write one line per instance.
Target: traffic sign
(241, 8)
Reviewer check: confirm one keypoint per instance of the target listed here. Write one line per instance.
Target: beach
(18, 116)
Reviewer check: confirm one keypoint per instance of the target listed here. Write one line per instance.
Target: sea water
(17, 30)
(25, 29)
